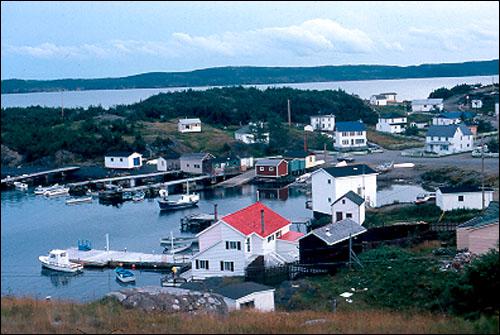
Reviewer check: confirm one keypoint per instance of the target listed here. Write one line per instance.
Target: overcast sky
(48, 40)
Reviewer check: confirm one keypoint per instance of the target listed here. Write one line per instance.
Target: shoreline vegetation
(26, 315)
(253, 75)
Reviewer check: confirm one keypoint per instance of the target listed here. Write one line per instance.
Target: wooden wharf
(38, 174)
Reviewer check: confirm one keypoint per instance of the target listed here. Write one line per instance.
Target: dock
(166, 184)
(113, 258)
(239, 179)
(39, 174)
(129, 177)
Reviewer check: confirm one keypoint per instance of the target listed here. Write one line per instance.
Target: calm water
(32, 225)
(407, 89)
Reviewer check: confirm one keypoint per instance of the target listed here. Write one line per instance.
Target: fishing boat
(385, 167)
(348, 159)
(40, 190)
(56, 191)
(185, 201)
(58, 260)
(424, 197)
(125, 276)
(138, 196)
(111, 193)
(127, 196)
(78, 200)
(21, 186)
(177, 249)
(175, 245)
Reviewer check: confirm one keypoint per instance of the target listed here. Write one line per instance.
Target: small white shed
(248, 295)
(189, 125)
(122, 160)
(450, 198)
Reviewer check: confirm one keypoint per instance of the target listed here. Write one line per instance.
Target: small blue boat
(125, 276)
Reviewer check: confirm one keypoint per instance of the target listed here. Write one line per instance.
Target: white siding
(263, 300)
(116, 162)
(194, 127)
(215, 255)
(346, 140)
(442, 121)
(210, 236)
(449, 145)
(324, 123)
(357, 212)
(471, 200)
(392, 125)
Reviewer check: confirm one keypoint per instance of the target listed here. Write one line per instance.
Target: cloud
(312, 37)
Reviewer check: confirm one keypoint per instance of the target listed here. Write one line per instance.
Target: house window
(202, 264)
(261, 168)
(329, 199)
(227, 266)
(460, 198)
(271, 168)
(348, 215)
(270, 238)
(338, 216)
(247, 305)
(121, 159)
(329, 181)
(248, 244)
(112, 159)
(233, 245)
(343, 201)
(359, 190)
(278, 234)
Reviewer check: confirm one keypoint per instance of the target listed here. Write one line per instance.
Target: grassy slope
(34, 316)
(392, 142)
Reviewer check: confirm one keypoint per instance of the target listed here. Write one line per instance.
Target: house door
(338, 216)
(137, 161)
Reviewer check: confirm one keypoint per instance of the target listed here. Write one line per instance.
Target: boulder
(10, 157)
(170, 300)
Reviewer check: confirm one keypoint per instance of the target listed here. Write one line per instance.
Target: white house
(123, 160)
(246, 163)
(330, 184)
(394, 124)
(426, 105)
(189, 125)
(448, 118)
(247, 295)
(323, 122)
(450, 198)
(249, 134)
(378, 100)
(349, 206)
(476, 103)
(350, 135)
(236, 240)
(449, 139)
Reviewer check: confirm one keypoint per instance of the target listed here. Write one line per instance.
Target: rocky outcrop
(10, 157)
(170, 300)
(63, 157)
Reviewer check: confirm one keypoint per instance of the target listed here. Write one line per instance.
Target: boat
(404, 165)
(112, 193)
(40, 190)
(185, 201)
(424, 197)
(384, 167)
(178, 240)
(169, 281)
(78, 200)
(58, 260)
(127, 196)
(21, 186)
(125, 276)
(138, 196)
(348, 159)
(177, 249)
(303, 178)
(56, 191)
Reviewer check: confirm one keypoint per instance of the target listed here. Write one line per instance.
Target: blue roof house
(350, 135)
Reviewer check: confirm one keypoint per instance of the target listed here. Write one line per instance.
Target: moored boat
(138, 196)
(185, 201)
(56, 191)
(21, 186)
(58, 260)
(40, 190)
(424, 197)
(78, 200)
(125, 276)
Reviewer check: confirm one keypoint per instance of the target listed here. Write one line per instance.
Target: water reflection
(58, 278)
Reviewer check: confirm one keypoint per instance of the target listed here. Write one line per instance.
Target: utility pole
(289, 114)
(482, 172)
(305, 140)
(350, 251)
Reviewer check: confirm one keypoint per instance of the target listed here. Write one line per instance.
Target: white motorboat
(424, 197)
(185, 201)
(40, 190)
(57, 191)
(21, 186)
(78, 200)
(58, 260)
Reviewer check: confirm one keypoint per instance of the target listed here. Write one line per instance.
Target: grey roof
(232, 291)
(350, 170)
(448, 130)
(269, 162)
(380, 96)
(189, 121)
(195, 155)
(350, 126)
(427, 101)
(462, 189)
(351, 196)
(489, 216)
(389, 93)
(339, 231)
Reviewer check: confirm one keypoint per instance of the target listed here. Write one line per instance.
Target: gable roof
(462, 189)
(189, 121)
(291, 236)
(247, 220)
(489, 216)
(350, 170)
(196, 155)
(456, 115)
(269, 162)
(448, 130)
(121, 153)
(351, 196)
(232, 291)
(350, 126)
(388, 93)
(339, 231)
(427, 101)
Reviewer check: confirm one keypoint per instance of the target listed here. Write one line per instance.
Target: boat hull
(125, 279)
(166, 206)
(71, 269)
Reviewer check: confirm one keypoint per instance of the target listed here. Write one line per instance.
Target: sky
(54, 40)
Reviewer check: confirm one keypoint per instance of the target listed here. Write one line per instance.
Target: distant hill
(255, 75)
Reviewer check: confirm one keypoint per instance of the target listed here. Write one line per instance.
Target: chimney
(262, 226)
(215, 212)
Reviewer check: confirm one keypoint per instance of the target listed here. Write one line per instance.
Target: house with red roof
(236, 240)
